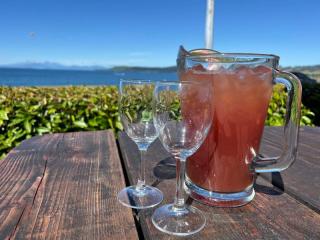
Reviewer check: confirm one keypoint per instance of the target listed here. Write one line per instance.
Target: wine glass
(135, 108)
(182, 117)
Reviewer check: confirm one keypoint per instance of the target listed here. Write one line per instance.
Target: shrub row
(277, 109)
(30, 111)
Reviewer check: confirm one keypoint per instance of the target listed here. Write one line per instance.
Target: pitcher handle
(291, 127)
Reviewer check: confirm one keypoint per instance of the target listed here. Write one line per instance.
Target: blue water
(32, 77)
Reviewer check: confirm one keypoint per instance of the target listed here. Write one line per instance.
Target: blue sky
(148, 33)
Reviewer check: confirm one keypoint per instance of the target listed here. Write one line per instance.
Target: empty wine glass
(135, 107)
(182, 117)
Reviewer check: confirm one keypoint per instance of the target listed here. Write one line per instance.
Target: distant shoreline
(312, 69)
(50, 77)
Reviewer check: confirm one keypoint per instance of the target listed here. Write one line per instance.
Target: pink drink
(241, 97)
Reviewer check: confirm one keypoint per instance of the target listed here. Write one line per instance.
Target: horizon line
(46, 65)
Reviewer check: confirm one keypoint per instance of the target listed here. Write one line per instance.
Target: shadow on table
(165, 169)
(276, 186)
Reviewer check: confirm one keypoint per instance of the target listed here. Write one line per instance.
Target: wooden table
(64, 186)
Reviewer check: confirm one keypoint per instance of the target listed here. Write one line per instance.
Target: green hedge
(277, 109)
(30, 111)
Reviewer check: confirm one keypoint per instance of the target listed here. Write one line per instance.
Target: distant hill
(312, 72)
(314, 68)
(304, 78)
(51, 66)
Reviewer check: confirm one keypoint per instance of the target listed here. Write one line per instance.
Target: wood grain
(302, 179)
(64, 186)
(272, 214)
(21, 173)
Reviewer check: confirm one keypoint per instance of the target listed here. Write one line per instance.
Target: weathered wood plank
(302, 179)
(80, 175)
(21, 173)
(271, 215)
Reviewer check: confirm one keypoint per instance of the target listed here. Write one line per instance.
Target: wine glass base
(184, 222)
(147, 197)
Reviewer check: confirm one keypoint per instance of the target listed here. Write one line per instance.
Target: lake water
(32, 77)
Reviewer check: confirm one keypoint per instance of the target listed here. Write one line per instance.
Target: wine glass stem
(179, 200)
(141, 180)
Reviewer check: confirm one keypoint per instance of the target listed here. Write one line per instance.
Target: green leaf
(146, 116)
(93, 123)
(27, 126)
(119, 126)
(15, 121)
(42, 130)
(80, 124)
(110, 122)
(306, 119)
(4, 115)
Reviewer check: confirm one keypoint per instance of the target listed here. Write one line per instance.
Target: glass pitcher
(221, 172)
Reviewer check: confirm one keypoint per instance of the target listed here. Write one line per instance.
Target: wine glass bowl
(182, 117)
